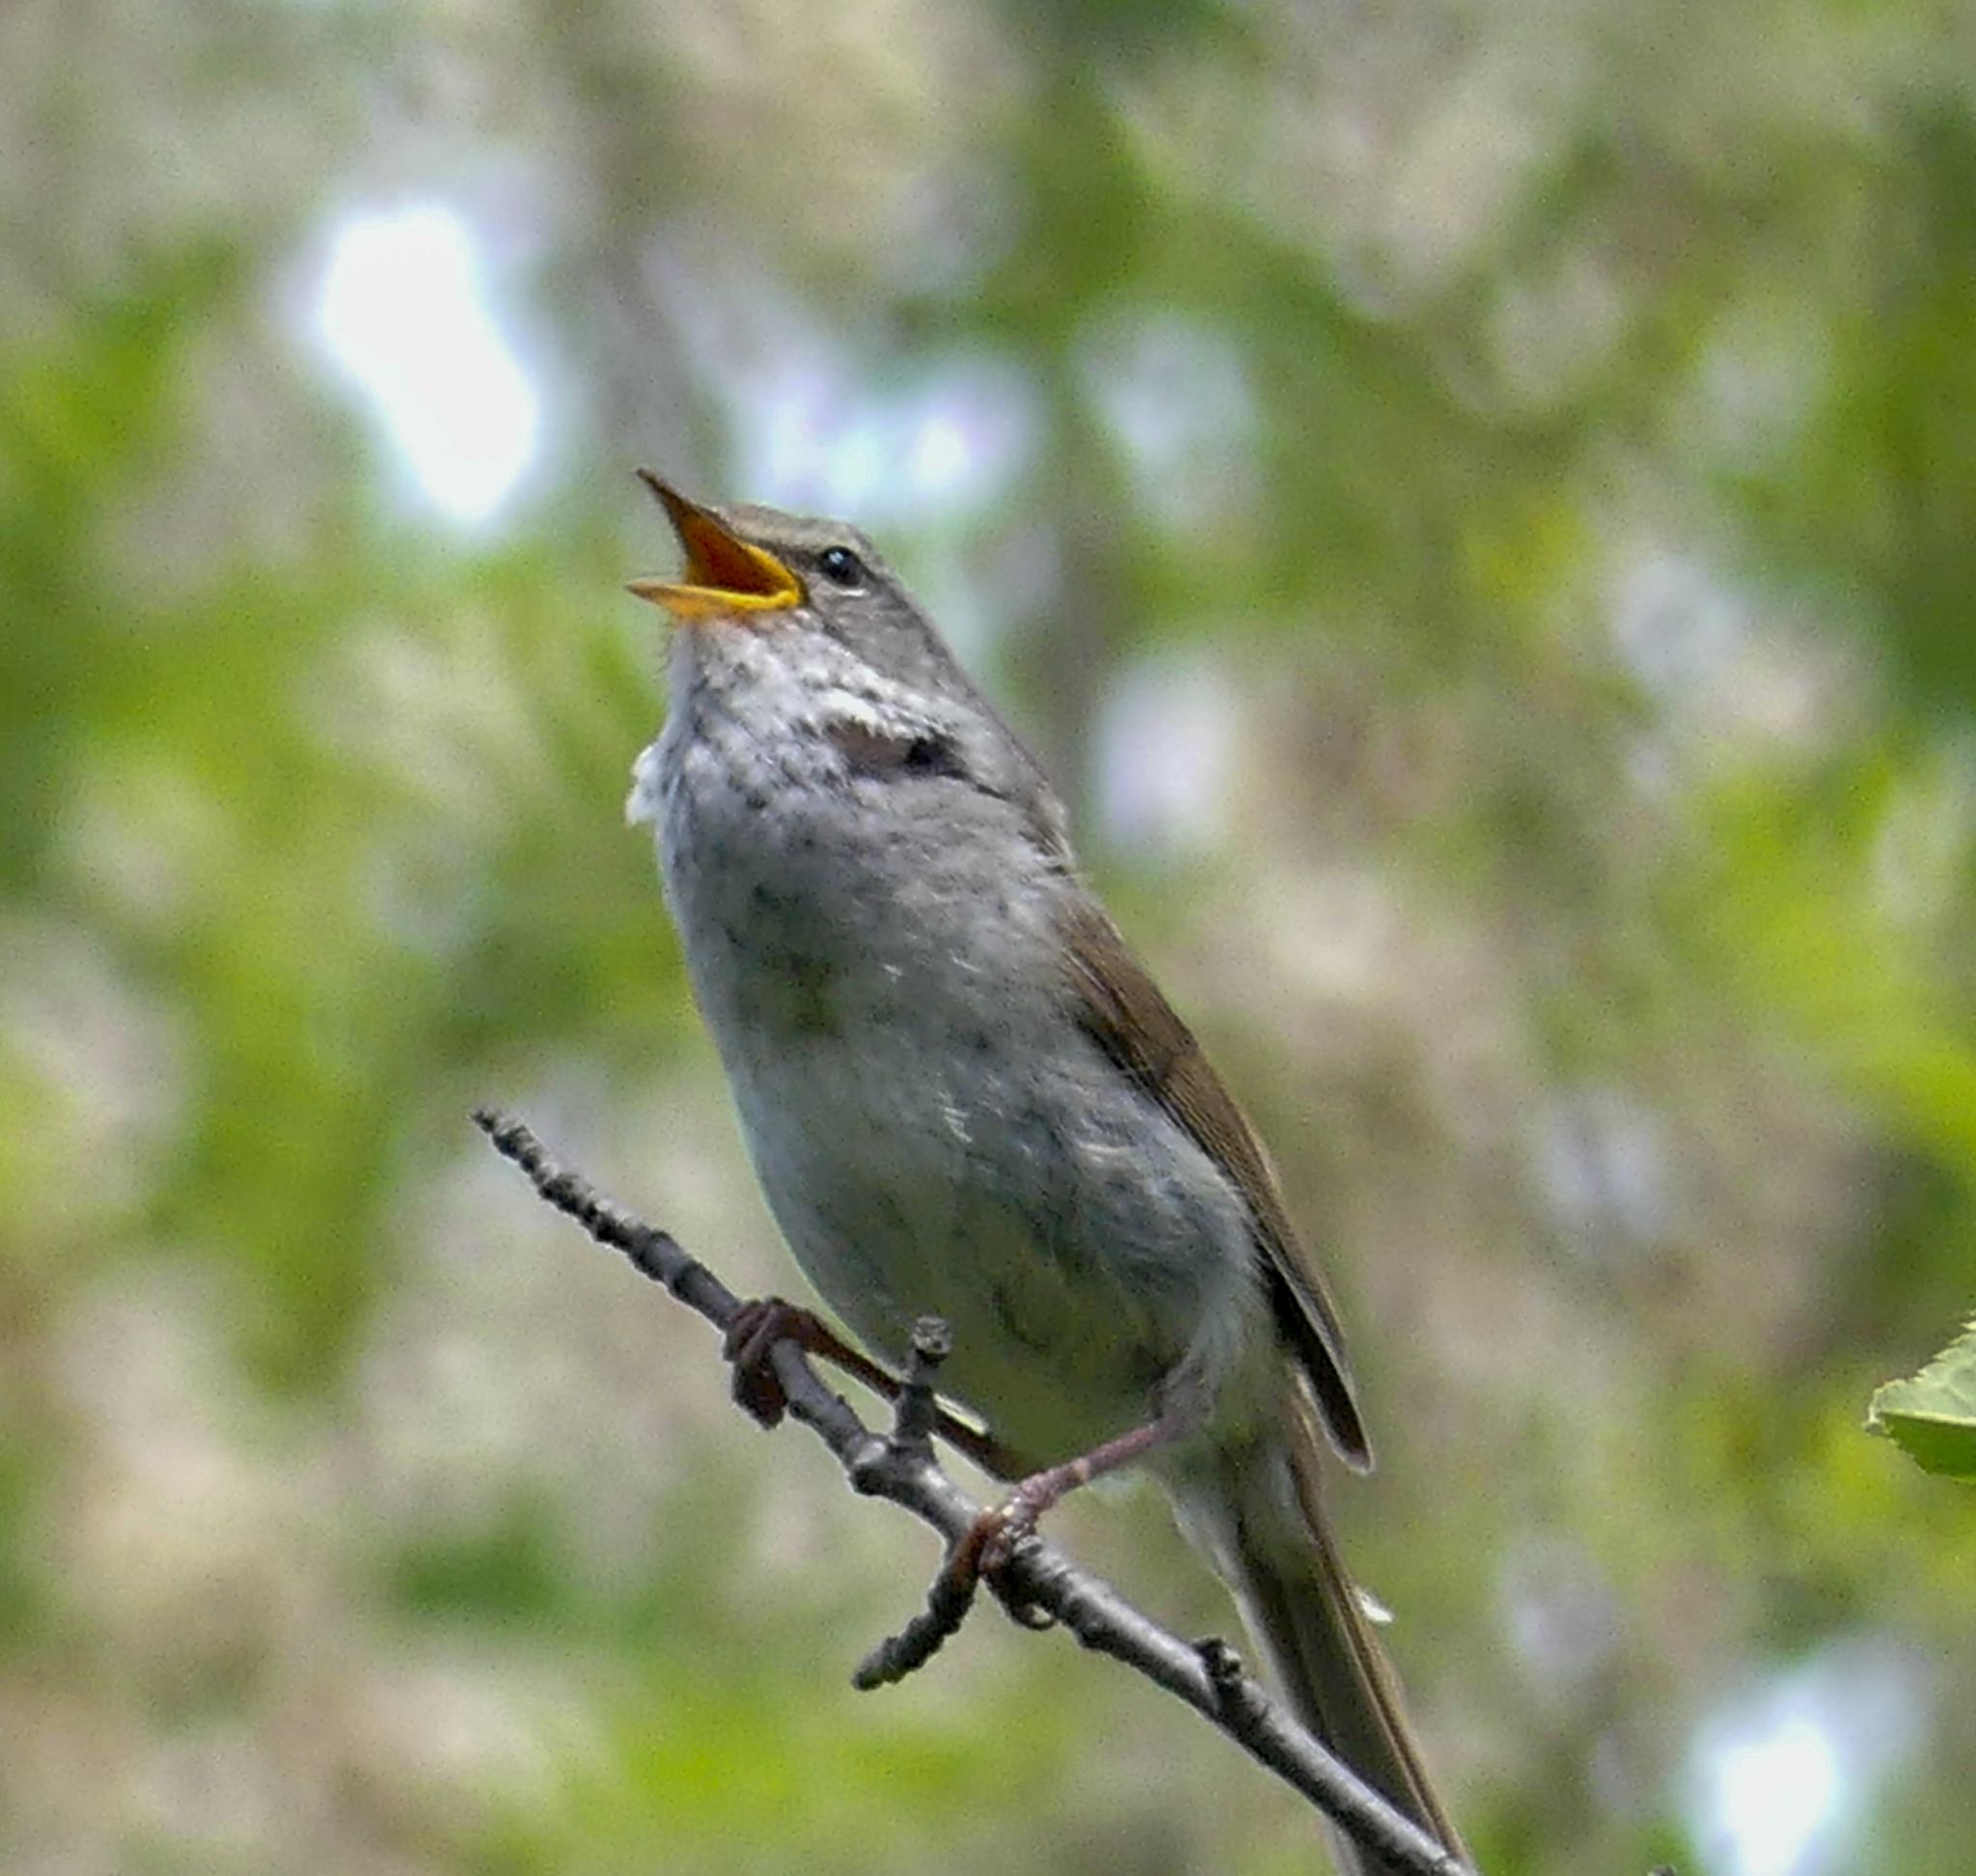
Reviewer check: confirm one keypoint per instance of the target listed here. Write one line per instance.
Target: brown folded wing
(1122, 1008)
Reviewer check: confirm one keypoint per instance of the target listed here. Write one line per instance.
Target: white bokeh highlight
(824, 423)
(405, 315)
(1163, 750)
(1173, 395)
(1781, 1780)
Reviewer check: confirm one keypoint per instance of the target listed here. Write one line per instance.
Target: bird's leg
(995, 1534)
(766, 1320)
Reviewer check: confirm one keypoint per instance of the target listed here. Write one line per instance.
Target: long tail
(1256, 1513)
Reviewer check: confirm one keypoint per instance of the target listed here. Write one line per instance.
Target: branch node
(932, 1344)
(871, 1466)
(1235, 1693)
(1007, 1585)
(917, 1412)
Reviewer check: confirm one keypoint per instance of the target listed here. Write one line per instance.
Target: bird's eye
(841, 566)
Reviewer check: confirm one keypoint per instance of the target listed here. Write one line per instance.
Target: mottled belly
(904, 1194)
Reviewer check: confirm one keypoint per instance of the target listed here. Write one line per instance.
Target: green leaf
(1932, 1417)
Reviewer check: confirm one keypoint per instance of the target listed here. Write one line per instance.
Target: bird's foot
(1000, 1531)
(750, 1346)
(984, 1553)
(990, 1544)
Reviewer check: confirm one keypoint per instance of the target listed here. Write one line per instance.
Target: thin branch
(1039, 1584)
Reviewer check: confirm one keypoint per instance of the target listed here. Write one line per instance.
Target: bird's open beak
(723, 573)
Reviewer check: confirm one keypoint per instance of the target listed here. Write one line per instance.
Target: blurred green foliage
(1519, 452)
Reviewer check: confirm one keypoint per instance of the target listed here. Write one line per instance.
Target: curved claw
(757, 1326)
(984, 1554)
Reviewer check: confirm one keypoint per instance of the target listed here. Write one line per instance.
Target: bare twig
(1039, 1583)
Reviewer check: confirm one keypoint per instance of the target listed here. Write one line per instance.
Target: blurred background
(1472, 501)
